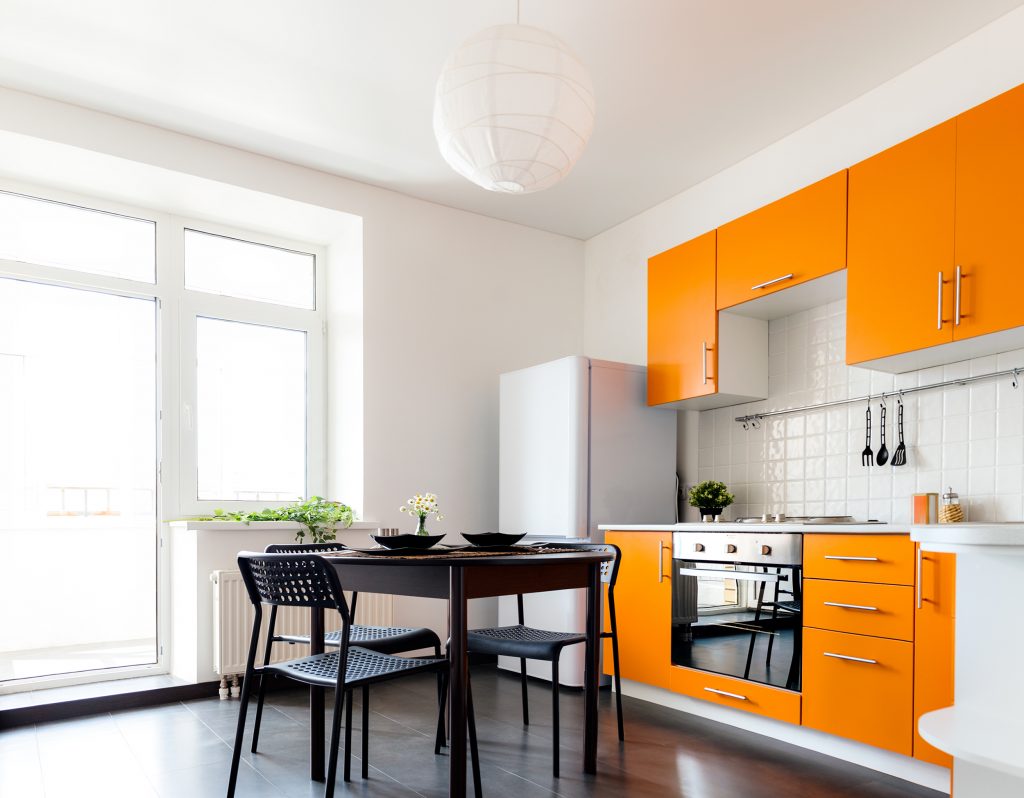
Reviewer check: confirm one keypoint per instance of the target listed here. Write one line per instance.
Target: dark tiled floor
(183, 751)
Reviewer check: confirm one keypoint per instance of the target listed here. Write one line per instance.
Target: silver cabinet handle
(704, 360)
(772, 282)
(851, 659)
(916, 582)
(938, 315)
(956, 302)
(855, 559)
(737, 696)
(739, 576)
(661, 562)
(851, 606)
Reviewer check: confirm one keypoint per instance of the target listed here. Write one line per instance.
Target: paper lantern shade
(514, 109)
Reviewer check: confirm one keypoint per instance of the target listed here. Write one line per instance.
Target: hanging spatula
(900, 455)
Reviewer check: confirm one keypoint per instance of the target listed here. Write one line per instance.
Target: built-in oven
(737, 605)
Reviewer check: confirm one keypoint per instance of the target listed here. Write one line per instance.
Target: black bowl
(407, 541)
(493, 538)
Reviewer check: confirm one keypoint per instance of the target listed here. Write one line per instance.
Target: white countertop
(977, 737)
(725, 526)
(1006, 538)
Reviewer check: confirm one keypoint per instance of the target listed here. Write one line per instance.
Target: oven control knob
(730, 548)
(698, 547)
(766, 550)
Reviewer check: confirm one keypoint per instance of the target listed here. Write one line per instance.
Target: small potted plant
(711, 497)
(318, 515)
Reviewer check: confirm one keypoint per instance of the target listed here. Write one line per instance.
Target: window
(251, 412)
(85, 240)
(218, 264)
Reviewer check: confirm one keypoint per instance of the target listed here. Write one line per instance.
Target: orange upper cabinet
(934, 644)
(643, 607)
(790, 241)
(989, 209)
(901, 245)
(682, 325)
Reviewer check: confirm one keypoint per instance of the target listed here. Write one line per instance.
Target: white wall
(975, 69)
(450, 300)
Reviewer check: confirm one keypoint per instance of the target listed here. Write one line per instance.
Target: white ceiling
(685, 88)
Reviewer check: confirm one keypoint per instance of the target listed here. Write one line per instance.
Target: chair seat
(364, 667)
(383, 639)
(522, 641)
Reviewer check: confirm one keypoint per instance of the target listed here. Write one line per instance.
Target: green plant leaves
(318, 514)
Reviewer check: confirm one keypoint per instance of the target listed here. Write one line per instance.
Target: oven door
(738, 620)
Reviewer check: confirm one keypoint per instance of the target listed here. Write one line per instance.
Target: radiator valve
(236, 691)
(222, 691)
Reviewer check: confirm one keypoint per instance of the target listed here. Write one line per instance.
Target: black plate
(405, 552)
(407, 541)
(493, 538)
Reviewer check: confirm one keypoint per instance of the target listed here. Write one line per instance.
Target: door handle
(917, 581)
(938, 315)
(704, 360)
(737, 696)
(956, 295)
(851, 606)
(661, 562)
(739, 576)
(851, 659)
(855, 559)
(772, 282)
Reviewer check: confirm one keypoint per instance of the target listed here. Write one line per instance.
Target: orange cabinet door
(643, 607)
(901, 245)
(989, 209)
(860, 688)
(738, 694)
(682, 325)
(933, 650)
(790, 241)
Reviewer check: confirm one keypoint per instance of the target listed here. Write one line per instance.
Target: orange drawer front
(860, 558)
(861, 688)
(860, 608)
(738, 694)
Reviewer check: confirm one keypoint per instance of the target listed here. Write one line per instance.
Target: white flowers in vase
(422, 505)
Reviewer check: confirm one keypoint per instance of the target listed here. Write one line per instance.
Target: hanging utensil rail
(754, 419)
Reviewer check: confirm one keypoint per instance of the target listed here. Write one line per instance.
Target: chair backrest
(292, 580)
(609, 569)
(303, 548)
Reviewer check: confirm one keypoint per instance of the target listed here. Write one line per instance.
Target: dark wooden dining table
(459, 576)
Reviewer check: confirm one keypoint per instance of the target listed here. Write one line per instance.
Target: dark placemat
(456, 553)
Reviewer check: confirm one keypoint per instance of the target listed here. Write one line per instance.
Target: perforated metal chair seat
(364, 666)
(522, 641)
(383, 639)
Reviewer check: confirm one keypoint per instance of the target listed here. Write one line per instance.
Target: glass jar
(951, 511)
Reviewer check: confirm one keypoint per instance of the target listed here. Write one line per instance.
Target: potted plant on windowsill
(318, 515)
(710, 497)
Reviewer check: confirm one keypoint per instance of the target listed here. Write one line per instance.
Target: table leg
(316, 699)
(457, 683)
(590, 674)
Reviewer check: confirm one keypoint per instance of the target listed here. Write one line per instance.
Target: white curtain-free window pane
(55, 234)
(251, 411)
(229, 266)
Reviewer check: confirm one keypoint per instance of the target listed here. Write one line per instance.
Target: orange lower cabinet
(737, 693)
(860, 558)
(860, 608)
(858, 687)
(933, 652)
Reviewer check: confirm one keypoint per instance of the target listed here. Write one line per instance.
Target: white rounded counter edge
(993, 538)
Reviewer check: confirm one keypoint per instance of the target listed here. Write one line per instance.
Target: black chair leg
(474, 751)
(442, 695)
(263, 678)
(332, 760)
(618, 682)
(366, 731)
(554, 715)
(236, 754)
(348, 737)
(526, 700)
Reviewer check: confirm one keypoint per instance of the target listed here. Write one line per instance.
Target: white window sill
(241, 526)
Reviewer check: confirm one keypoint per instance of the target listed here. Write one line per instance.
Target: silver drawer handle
(856, 559)
(851, 659)
(723, 692)
(851, 606)
(772, 282)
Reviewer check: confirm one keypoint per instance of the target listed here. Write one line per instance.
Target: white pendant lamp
(513, 110)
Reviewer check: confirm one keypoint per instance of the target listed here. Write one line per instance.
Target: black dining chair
(307, 580)
(382, 639)
(526, 642)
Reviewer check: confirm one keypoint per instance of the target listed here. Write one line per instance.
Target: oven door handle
(744, 576)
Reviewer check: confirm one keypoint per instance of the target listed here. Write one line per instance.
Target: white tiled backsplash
(968, 437)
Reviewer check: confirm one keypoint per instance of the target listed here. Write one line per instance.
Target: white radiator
(233, 614)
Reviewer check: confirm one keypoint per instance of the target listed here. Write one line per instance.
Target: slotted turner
(867, 457)
(900, 455)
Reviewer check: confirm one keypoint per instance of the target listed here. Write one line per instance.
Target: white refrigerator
(578, 447)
